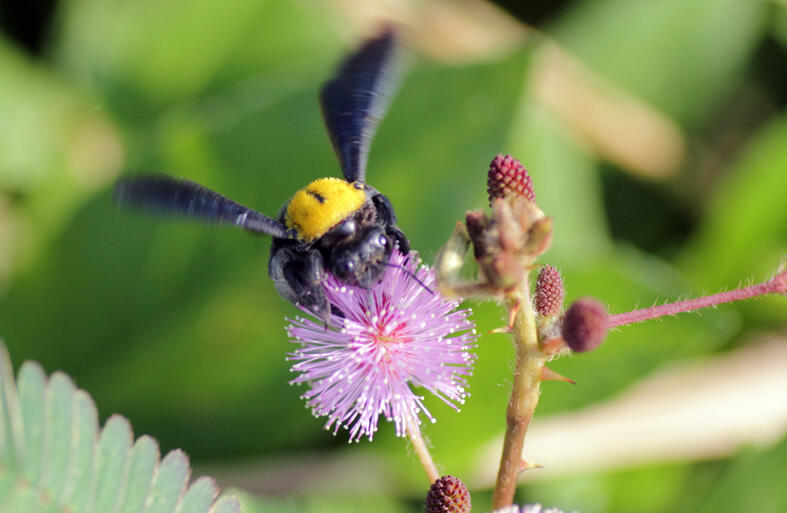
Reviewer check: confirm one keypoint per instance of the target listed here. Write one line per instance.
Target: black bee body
(343, 226)
(356, 251)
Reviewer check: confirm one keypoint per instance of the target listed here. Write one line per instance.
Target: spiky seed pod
(448, 495)
(585, 325)
(507, 176)
(549, 292)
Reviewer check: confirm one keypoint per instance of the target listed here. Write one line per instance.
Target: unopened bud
(507, 176)
(585, 325)
(450, 258)
(485, 238)
(549, 292)
(448, 495)
(539, 237)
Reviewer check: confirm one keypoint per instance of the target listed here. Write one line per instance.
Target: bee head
(362, 260)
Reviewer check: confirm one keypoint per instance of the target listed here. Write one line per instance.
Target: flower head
(585, 324)
(396, 335)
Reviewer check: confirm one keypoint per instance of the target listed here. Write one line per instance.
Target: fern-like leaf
(54, 458)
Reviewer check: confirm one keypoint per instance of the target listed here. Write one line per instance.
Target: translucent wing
(354, 102)
(178, 196)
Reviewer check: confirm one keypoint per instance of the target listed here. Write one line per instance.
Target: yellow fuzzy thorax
(321, 205)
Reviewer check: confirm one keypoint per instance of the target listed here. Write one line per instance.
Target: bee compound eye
(383, 240)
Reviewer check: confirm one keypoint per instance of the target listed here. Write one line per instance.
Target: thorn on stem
(528, 465)
(548, 374)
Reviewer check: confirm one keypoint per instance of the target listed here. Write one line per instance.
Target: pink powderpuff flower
(401, 333)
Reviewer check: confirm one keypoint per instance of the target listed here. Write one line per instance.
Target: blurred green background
(656, 134)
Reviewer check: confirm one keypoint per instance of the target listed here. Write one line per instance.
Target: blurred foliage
(321, 504)
(177, 326)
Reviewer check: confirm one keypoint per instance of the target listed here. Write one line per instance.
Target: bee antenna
(411, 275)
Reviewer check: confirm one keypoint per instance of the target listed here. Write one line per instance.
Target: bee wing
(184, 197)
(355, 100)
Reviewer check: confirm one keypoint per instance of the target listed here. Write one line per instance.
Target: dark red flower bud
(549, 292)
(448, 495)
(585, 324)
(508, 177)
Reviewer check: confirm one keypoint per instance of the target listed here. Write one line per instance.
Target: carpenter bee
(342, 226)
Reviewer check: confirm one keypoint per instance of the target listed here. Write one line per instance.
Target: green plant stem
(524, 398)
(422, 451)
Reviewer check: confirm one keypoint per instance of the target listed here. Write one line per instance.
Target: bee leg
(315, 277)
(298, 276)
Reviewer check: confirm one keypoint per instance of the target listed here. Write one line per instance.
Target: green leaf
(226, 505)
(170, 482)
(11, 427)
(199, 496)
(84, 433)
(32, 383)
(53, 458)
(58, 414)
(114, 446)
(144, 459)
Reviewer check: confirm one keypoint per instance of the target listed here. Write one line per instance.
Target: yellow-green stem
(524, 397)
(422, 451)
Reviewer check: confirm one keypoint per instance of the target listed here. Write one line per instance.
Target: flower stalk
(422, 451)
(524, 396)
(776, 285)
(506, 244)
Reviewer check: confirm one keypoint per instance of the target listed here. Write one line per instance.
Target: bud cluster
(506, 244)
(507, 240)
